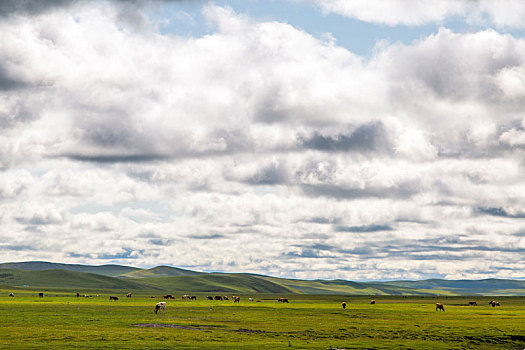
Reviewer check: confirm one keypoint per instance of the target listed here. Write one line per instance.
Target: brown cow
(440, 306)
(344, 305)
(128, 295)
(236, 299)
(169, 296)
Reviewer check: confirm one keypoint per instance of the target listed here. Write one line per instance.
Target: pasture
(60, 320)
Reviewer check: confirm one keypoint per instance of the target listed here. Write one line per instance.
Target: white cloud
(258, 147)
(502, 14)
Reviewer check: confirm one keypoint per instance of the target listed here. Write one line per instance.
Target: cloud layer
(259, 148)
(501, 14)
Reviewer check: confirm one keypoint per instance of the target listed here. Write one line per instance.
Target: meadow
(60, 320)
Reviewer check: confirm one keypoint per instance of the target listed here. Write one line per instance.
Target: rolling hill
(64, 279)
(160, 271)
(48, 275)
(105, 270)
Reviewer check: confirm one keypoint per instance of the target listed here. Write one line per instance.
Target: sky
(312, 139)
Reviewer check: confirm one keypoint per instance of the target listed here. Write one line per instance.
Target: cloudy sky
(363, 140)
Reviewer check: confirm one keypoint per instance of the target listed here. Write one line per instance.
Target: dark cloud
(117, 158)
(369, 228)
(8, 83)
(366, 138)
(403, 190)
(30, 7)
(212, 236)
(498, 211)
(272, 174)
(323, 220)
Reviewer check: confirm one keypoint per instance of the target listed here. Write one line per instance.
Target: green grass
(62, 321)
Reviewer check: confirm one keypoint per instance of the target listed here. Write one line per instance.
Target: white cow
(160, 306)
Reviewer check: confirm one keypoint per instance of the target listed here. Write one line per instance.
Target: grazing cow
(372, 302)
(472, 303)
(78, 295)
(160, 306)
(218, 297)
(113, 298)
(40, 295)
(282, 300)
(193, 297)
(128, 295)
(169, 296)
(344, 305)
(440, 306)
(236, 299)
(250, 299)
(225, 298)
(11, 295)
(493, 303)
(185, 297)
(209, 297)
(152, 297)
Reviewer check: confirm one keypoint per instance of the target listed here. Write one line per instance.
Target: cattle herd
(161, 306)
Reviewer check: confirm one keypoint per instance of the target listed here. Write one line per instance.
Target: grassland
(59, 320)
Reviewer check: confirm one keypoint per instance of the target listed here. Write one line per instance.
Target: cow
(169, 296)
(128, 295)
(344, 305)
(209, 297)
(12, 295)
(372, 302)
(225, 298)
(440, 306)
(250, 299)
(472, 303)
(160, 306)
(282, 300)
(218, 297)
(113, 298)
(40, 295)
(185, 297)
(78, 295)
(152, 297)
(236, 299)
(193, 297)
(493, 303)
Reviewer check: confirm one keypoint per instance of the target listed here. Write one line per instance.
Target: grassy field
(60, 320)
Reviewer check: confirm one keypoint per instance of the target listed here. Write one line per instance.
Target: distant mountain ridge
(167, 278)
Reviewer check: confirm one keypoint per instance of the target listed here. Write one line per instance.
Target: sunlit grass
(60, 320)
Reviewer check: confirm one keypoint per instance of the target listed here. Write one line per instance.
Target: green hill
(62, 279)
(63, 276)
(490, 286)
(106, 270)
(160, 271)
(218, 283)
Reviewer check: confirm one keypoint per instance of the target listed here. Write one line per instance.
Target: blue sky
(364, 140)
